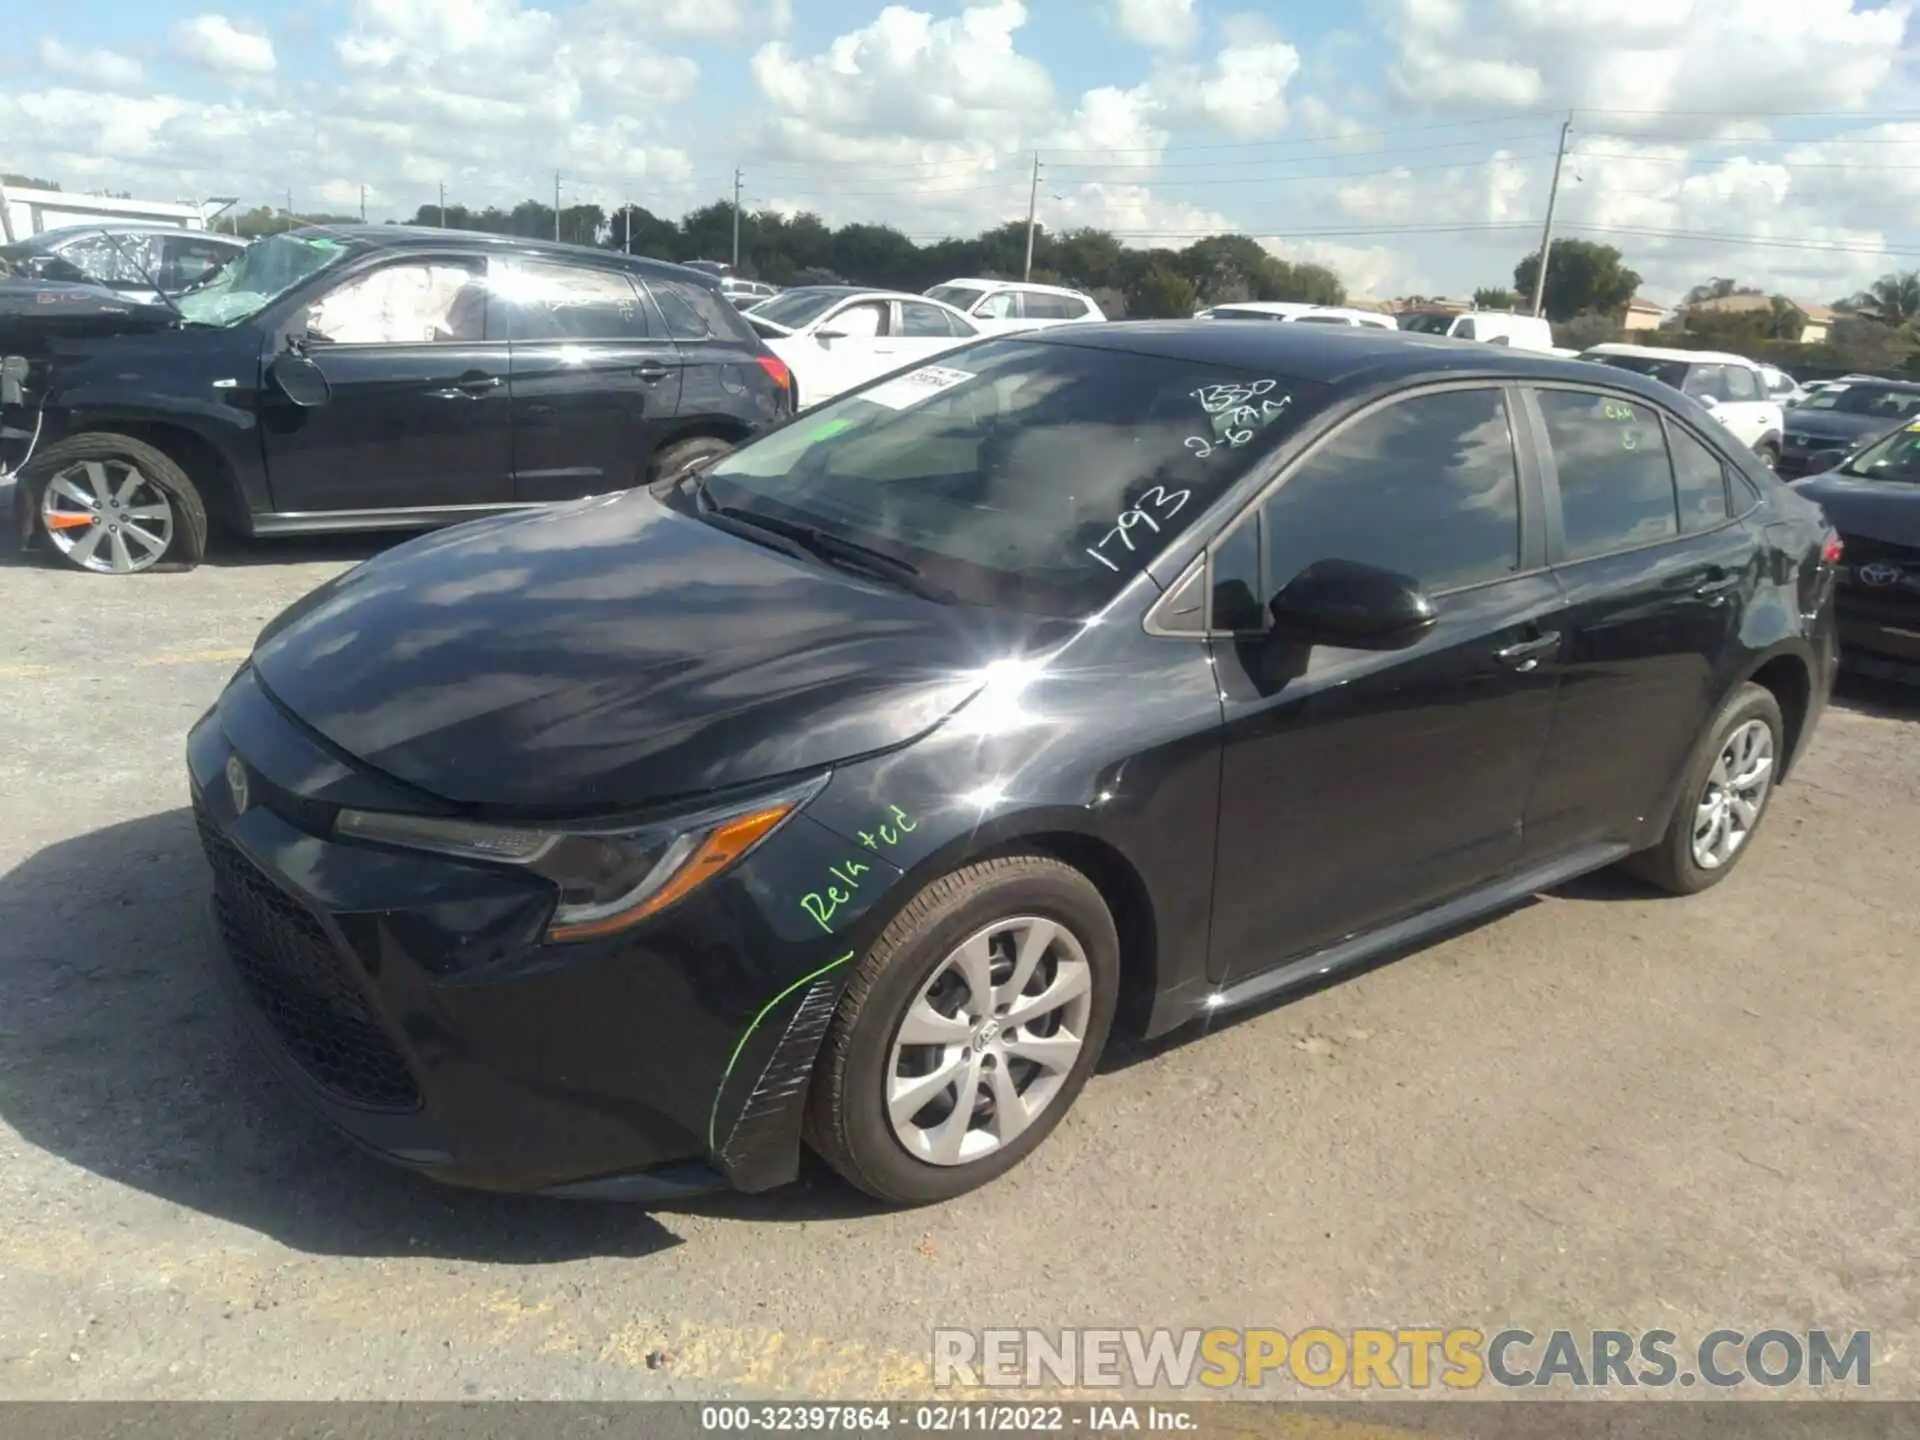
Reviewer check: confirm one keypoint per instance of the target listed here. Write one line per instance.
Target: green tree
(1785, 320)
(1582, 276)
(27, 182)
(1718, 288)
(1892, 300)
(1162, 293)
(1491, 297)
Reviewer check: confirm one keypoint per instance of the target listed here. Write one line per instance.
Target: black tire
(188, 545)
(847, 1122)
(1671, 864)
(1769, 454)
(675, 458)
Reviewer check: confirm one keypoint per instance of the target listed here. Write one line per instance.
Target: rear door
(596, 380)
(1657, 577)
(419, 412)
(922, 330)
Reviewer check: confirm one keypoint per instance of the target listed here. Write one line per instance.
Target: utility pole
(736, 217)
(1546, 233)
(443, 204)
(627, 244)
(556, 205)
(289, 209)
(1033, 200)
(363, 204)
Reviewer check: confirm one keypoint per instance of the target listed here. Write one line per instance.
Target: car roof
(1655, 352)
(57, 233)
(424, 237)
(1336, 355)
(1017, 285)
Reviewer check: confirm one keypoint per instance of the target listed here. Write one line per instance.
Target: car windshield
(259, 275)
(1883, 401)
(796, 309)
(1427, 324)
(961, 297)
(1019, 474)
(1667, 372)
(1891, 457)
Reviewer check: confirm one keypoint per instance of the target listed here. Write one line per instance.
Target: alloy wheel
(107, 516)
(988, 1043)
(1736, 792)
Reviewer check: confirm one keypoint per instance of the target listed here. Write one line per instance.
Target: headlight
(609, 879)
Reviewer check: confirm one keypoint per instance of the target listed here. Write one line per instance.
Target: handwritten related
(825, 903)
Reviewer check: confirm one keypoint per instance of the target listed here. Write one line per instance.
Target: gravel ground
(1604, 1109)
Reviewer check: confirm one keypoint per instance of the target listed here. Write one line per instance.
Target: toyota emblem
(1879, 573)
(237, 783)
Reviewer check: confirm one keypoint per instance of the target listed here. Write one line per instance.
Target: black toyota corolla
(848, 790)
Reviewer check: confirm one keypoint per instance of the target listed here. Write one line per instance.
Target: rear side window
(693, 312)
(926, 321)
(1041, 306)
(1425, 487)
(1706, 381)
(1616, 488)
(1699, 482)
(571, 302)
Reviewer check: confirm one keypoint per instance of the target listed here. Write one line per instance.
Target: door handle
(476, 384)
(1718, 582)
(1525, 655)
(651, 371)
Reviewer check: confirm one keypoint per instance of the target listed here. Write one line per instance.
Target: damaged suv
(367, 378)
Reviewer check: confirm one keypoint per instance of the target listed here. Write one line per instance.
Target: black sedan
(1840, 417)
(1873, 499)
(853, 787)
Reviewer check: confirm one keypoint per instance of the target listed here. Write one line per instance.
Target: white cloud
(105, 68)
(213, 41)
(1160, 24)
(708, 19)
(1244, 92)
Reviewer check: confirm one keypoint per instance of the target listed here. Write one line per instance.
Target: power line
(1694, 159)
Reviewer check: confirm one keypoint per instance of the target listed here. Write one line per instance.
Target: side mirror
(300, 380)
(1708, 401)
(1359, 607)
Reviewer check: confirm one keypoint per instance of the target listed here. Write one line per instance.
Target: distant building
(1817, 320)
(1643, 314)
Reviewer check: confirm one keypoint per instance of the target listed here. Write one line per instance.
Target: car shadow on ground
(120, 1053)
(344, 549)
(1882, 699)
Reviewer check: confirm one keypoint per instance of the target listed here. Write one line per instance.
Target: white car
(1733, 387)
(1492, 327)
(1297, 313)
(998, 306)
(834, 337)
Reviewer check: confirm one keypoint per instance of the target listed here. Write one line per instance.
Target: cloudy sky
(1408, 142)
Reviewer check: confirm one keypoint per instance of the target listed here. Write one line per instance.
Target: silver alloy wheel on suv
(989, 1041)
(107, 516)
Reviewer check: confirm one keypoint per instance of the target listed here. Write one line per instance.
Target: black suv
(371, 377)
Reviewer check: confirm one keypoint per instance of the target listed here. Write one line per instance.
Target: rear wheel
(114, 505)
(1725, 799)
(676, 459)
(967, 1031)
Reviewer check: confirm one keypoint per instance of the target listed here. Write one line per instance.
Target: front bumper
(1880, 621)
(410, 999)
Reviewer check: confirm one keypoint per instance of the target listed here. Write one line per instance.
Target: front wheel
(1769, 454)
(114, 505)
(967, 1031)
(1727, 790)
(675, 460)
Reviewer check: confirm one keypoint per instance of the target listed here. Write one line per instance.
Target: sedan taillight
(1833, 550)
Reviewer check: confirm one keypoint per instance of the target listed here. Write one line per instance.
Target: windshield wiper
(825, 545)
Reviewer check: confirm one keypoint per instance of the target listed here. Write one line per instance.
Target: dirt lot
(1605, 1109)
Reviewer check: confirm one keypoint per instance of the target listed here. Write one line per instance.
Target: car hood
(613, 653)
(1886, 510)
(34, 311)
(1834, 425)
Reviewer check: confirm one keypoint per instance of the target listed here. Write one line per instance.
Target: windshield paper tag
(915, 388)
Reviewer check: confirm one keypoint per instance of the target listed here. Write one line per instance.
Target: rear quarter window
(695, 312)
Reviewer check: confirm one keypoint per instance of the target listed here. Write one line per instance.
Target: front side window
(546, 301)
(1706, 382)
(1740, 383)
(411, 303)
(862, 321)
(1022, 475)
(1001, 305)
(1426, 487)
(1616, 486)
(1427, 324)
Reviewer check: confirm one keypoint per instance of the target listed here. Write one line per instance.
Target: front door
(419, 412)
(1360, 786)
(1657, 577)
(596, 379)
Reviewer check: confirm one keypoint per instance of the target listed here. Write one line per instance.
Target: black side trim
(762, 1149)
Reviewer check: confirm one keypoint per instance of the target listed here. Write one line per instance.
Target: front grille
(1893, 592)
(299, 982)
